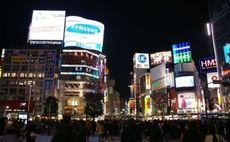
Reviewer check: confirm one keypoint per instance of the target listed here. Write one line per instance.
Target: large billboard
(181, 53)
(141, 60)
(83, 33)
(47, 25)
(186, 100)
(160, 57)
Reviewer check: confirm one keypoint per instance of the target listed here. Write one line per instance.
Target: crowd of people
(67, 130)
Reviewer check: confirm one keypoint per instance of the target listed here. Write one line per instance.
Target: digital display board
(47, 25)
(186, 100)
(184, 81)
(227, 53)
(181, 53)
(83, 33)
(160, 57)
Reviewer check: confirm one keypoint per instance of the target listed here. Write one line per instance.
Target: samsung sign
(207, 65)
(83, 33)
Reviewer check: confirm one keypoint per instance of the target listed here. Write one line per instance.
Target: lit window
(22, 74)
(30, 74)
(13, 75)
(4, 74)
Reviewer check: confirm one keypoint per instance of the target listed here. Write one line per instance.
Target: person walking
(131, 132)
(212, 135)
(67, 132)
(100, 130)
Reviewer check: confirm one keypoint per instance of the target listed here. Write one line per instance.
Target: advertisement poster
(186, 101)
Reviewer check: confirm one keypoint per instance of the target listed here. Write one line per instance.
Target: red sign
(16, 105)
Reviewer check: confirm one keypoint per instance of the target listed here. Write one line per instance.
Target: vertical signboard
(48, 88)
(147, 81)
(227, 53)
(50, 64)
(181, 53)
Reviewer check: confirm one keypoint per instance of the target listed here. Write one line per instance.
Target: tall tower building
(82, 64)
(219, 14)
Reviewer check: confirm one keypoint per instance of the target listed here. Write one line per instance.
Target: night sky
(130, 26)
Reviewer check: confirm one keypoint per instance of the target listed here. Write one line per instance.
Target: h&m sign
(208, 64)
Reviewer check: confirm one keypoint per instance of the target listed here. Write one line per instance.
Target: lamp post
(210, 32)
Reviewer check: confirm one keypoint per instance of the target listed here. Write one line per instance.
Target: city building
(28, 77)
(62, 59)
(113, 101)
(219, 14)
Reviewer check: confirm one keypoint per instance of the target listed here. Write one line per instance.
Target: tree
(93, 105)
(51, 106)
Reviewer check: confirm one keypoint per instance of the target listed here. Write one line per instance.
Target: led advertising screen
(142, 60)
(208, 64)
(83, 33)
(160, 57)
(47, 25)
(227, 53)
(186, 101)
(181, 53)
(184, 81)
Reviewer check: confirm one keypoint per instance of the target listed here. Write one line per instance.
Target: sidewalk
(47, 138)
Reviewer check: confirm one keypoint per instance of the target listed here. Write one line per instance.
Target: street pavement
(46, 138)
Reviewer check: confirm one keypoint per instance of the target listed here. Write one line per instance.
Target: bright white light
(208, 29)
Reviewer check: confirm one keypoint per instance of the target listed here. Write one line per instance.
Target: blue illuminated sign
(181, 53)
(49, 89)
(50, 63)
(142, 58)
(227, 53)
(84, 29)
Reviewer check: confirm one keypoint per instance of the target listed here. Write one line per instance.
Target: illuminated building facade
(63, 58)
(28, 78)
(219, 14)
(82, 65)
(82, 71)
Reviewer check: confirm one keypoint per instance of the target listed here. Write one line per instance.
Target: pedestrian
(67, 132)
(132, 132)
(2, 127)
(100, 130)
(212, 135)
